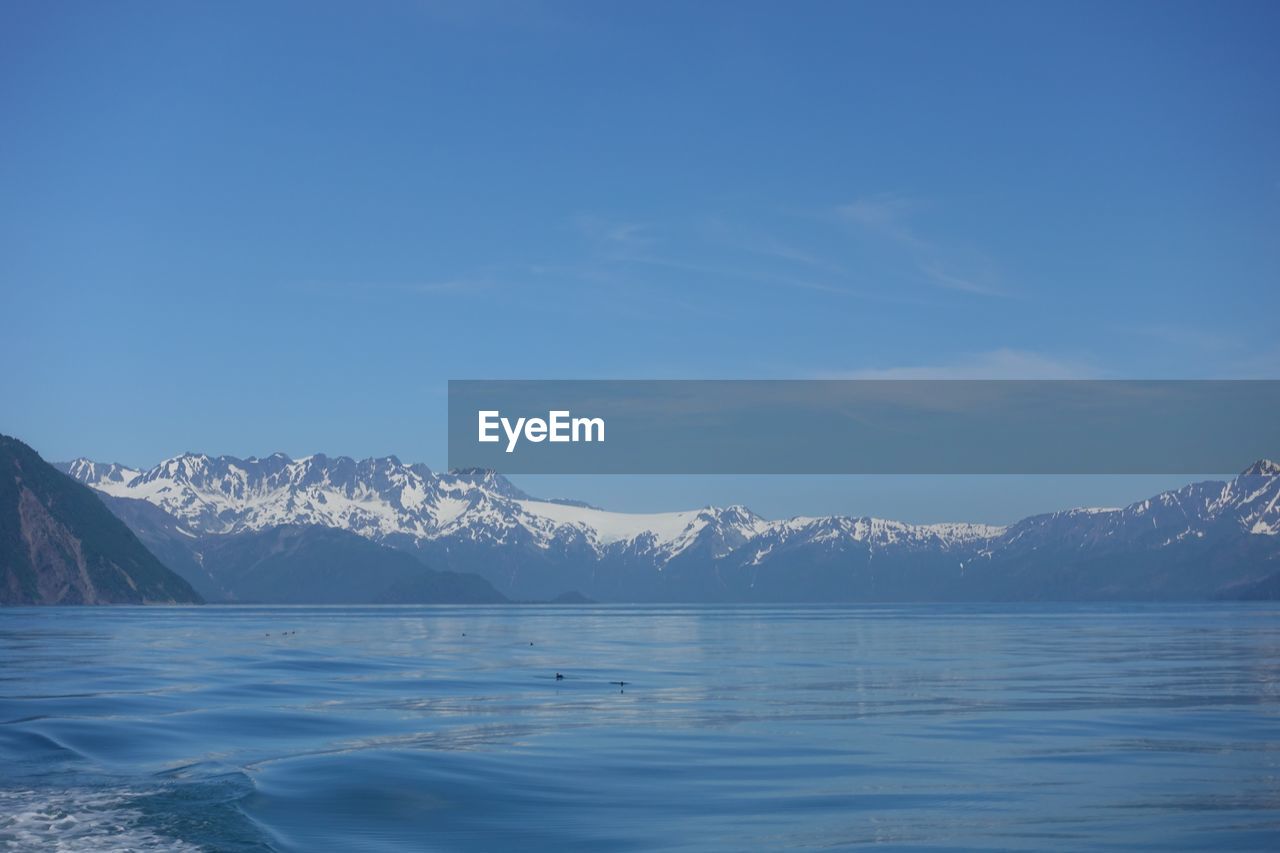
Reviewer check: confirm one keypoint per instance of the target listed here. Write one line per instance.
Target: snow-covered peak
(1249, 503)
(88, 471)
(1261, 468)
(1253, 498)
(883, 531)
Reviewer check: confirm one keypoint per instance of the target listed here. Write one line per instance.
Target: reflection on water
(941, 727)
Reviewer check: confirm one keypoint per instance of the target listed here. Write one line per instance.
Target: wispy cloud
(721, 253)
(612, 232)
(758, 243)
(886, 214)
(732, 272)
(613, 251)
(891, 218)
(771, 247)
(1001, 363)
(950, 281)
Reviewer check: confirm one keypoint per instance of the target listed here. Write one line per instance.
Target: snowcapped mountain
(373, 497)
(388, 501)
(1248, 504)
(477, 521)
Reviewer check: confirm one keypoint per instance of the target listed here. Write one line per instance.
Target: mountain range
(218, 521)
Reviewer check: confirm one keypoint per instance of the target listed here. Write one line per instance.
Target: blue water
(443, 728)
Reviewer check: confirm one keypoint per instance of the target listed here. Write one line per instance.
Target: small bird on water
(559, 677)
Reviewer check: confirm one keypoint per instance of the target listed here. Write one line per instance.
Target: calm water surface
(443, 728)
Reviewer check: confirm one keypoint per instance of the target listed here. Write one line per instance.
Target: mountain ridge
(477, 521)
(381, 497)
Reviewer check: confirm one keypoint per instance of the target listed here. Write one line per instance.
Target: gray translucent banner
(863, 426)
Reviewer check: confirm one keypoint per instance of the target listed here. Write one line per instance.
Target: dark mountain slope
(169, 538)
(319, 565)
(60, 545)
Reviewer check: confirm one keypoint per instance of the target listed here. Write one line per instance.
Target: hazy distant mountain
(319, 565)
(60, 545)
(1201, 541)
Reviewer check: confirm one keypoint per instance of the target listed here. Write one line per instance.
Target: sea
(565, 728)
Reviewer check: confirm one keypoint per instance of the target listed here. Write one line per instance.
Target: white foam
(77, 819)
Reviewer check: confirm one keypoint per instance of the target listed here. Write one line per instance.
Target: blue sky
(242, 227)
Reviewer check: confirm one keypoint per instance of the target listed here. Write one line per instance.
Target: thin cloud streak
(621, 244)
(600, 229)
(1001, 363)
(888, 217)
(954, 282)
(740, 274)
